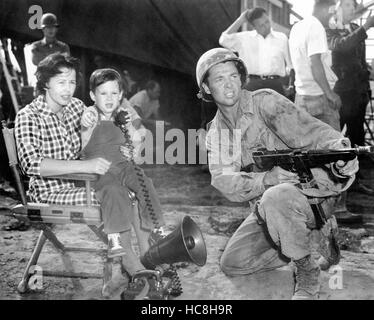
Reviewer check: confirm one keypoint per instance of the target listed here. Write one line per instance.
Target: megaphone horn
(186, 243)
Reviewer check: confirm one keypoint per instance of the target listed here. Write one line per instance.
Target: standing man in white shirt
(264, 51)
(146, 102)
(311, 59)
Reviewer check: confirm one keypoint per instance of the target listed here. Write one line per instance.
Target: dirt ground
(186, 190)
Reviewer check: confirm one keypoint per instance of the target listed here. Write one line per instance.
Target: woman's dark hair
(51, 66)
(255, 13)
(100, 76)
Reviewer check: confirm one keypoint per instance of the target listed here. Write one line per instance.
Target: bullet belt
(255, 76)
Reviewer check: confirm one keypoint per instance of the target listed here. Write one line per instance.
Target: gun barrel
(267, 159)
(364, 149)
(358, 150)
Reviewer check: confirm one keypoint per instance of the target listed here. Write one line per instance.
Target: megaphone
(185, 244)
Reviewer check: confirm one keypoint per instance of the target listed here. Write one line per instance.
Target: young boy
(101, 137)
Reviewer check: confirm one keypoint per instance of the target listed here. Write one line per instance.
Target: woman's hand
(97, 166)
(89, 117)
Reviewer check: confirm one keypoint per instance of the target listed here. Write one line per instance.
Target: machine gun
(302, 161)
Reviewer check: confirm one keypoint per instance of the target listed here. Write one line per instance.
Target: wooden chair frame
(44, 214)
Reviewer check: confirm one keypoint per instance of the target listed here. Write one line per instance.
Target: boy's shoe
(115, 248)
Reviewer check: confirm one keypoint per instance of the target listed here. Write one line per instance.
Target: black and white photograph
(205, 151)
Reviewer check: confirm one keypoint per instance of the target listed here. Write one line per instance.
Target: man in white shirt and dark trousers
(264, 51)
(315, 79)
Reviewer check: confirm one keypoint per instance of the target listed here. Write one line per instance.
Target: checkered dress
(40, 134)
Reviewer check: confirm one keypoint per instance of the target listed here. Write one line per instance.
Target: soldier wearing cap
(282, 225)
(49, 44)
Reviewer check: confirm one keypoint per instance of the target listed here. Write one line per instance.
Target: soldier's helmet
(212, 58)
(49, 20)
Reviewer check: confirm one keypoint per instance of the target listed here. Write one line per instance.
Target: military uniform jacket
(40, 49)
(268, 120)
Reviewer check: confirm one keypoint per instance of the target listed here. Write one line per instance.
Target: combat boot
(307, 279)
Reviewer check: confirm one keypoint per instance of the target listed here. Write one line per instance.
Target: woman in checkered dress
(49, 141)
(48, 135)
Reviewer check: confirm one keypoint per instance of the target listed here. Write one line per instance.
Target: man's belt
(256, 76)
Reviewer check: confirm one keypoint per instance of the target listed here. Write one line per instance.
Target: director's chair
(40, 215)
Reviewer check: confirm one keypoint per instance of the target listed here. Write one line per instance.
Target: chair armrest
(77, 176)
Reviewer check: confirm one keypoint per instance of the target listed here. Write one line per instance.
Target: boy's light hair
(100, 76)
